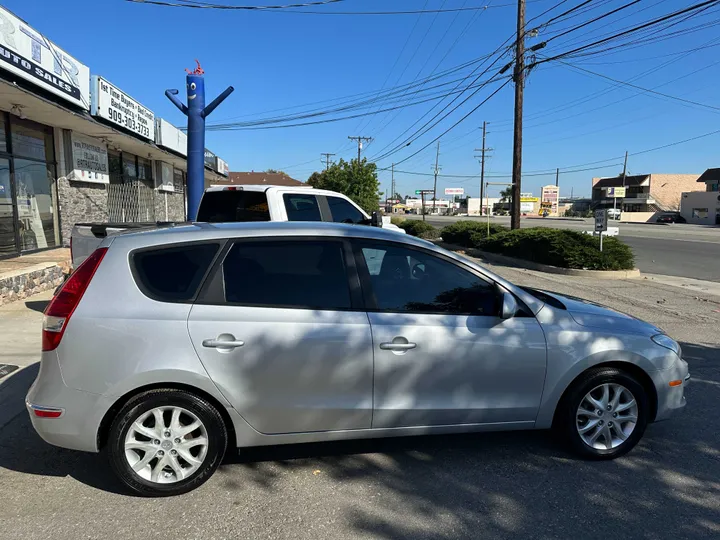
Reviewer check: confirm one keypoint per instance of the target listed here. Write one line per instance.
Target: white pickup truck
(221, 204)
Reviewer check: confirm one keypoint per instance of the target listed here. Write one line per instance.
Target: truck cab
(224, 204)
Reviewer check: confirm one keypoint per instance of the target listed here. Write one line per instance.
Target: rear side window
(302, 207)
(233, 206)
(172, 274)
(344, 211)
(302, 274)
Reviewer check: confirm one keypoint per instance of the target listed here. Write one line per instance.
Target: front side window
(172, 274)
(302, 207)
(409, 281)
(302, 274)
(343, 211)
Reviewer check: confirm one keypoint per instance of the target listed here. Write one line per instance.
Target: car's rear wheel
(166, 442)
(604, 414)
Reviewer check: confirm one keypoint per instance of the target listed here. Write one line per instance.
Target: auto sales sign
(31, 56)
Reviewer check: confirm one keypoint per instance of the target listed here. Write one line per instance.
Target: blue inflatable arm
(172, 96)
(217, 101)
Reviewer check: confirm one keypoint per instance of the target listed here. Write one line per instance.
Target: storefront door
(28, 206)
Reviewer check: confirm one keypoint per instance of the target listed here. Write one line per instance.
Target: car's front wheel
(166, 442)
(604, 414)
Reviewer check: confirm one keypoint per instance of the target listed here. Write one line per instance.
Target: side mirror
(376, 220)
(509, 306)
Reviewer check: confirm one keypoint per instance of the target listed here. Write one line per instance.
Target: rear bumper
(671, 399)
(77, 426)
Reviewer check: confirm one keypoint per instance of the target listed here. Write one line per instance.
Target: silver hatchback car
(166, 347)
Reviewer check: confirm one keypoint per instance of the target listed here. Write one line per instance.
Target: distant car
(671, 218)
(614, 213)
(166, 348)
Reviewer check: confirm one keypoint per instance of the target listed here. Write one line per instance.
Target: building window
(700, 213)
(28, 196)
(178, 181)
(129, 162)
(144, 168)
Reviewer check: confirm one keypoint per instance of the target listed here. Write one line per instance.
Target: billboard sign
(28, 54)
(221, 166)
(113, 105)
(616, 192)
(454, 191)
(210, 160)
(170, 137)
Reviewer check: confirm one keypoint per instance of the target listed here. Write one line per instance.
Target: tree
(506, 194)
(275, 171)
(359, 182)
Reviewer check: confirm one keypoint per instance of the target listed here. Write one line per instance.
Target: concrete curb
(503, 260)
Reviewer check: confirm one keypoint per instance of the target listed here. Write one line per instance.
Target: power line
(647, 90)
(292, 8)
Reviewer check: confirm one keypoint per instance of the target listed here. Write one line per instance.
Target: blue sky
(279, 60)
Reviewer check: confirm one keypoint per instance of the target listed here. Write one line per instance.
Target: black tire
(146, 401)
(566, 423)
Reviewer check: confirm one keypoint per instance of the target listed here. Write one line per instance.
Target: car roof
(211, 231)
(251, 187)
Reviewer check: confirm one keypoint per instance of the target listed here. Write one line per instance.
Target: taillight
(63, 304)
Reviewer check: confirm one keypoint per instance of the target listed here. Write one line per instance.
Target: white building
(703, 207)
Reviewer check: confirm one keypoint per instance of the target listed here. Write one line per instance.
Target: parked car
(166, 348)
(670, 218)
(614, 213)
(233, 204)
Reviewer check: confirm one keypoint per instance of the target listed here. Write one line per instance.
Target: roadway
(682, 250)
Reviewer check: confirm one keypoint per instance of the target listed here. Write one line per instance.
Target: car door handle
(397, 346)
(222, 344)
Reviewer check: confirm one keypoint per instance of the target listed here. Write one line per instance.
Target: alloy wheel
(607, 416)
(166, 444)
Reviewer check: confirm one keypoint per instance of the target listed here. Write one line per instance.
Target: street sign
(423, 191)
(454, 191)
(600, 220)
(616, 192)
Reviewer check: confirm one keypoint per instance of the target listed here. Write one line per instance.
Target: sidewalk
(24, 276)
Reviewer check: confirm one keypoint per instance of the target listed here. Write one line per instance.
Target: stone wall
(27, 283)
(175, 206)
(80, 202)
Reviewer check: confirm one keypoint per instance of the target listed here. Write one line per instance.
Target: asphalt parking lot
(508, 485)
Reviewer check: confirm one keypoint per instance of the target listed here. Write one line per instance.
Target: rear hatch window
(233, 206)
(172, 274)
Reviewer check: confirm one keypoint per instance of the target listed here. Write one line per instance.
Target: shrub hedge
(466, 232)
(559, 247)
(418, 228)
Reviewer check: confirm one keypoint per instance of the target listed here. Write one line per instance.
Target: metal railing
(131, 203)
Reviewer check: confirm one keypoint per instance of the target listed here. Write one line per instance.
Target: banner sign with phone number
(111, 104)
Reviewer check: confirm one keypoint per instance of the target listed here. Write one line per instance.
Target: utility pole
(557, 177)
(360, 141)
(624, 177)
(519, 78)
(482, 165)
(392, 181)
(327, 157)
(437, 158)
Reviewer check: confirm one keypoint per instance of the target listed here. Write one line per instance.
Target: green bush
(563, 248)
(418, 228)
(397, 220)
(466, 232)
